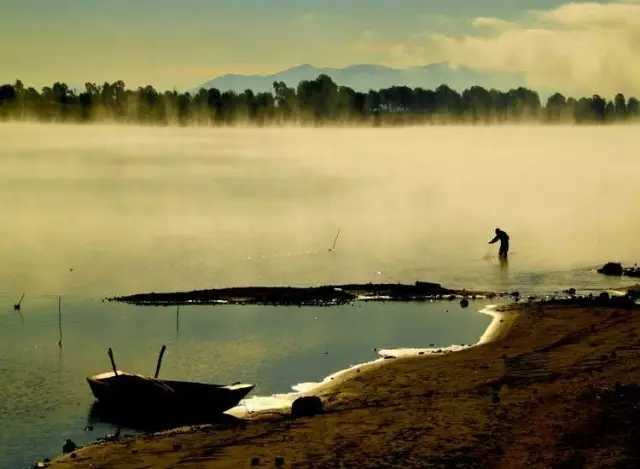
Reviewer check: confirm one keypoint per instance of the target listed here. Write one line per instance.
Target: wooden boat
(124, 391)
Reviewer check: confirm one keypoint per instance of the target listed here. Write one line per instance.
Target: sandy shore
(549, 386)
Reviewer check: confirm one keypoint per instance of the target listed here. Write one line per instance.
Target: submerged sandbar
(325, 295)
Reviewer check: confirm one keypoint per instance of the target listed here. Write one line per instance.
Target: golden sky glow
(580, 48)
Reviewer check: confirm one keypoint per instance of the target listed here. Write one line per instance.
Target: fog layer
(122, 209)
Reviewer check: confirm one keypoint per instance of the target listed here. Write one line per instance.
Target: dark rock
(69, 446)
(306, 406)
(632, 272)
(570, 291)
(279, 461)
(255, 461)
(464, 303)
(611, 268)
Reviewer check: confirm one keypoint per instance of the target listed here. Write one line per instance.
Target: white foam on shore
(414, 352)
(282, 402)
(494, 327)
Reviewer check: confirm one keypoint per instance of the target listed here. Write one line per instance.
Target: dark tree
(620, 105)
(318, 99)
(633, 108)
(285, 100)
(448, 102)
(8, 99)
(556, 109)
(598, 107)
(313, 102)
(477, 103)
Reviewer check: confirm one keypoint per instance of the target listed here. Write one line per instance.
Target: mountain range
(365, 77)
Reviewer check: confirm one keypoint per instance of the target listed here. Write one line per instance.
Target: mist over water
(95, 211)
(149, 209)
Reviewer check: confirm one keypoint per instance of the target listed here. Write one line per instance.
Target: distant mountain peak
(363, 77)
(301, 67)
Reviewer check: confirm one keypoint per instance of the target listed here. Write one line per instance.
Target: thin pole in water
(60, 320)
(164, 347)
(19, 303)
(335, 241)
(177, 321)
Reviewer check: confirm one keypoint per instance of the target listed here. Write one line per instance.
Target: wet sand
(553, 386)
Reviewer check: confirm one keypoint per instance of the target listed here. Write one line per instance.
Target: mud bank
(326, 295)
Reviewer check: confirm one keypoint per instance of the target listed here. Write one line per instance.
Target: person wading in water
(503, 237)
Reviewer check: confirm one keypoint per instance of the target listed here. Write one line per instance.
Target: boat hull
(141, 394)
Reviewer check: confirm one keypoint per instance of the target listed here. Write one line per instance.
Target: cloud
(594, 15)
(577, 48)
(494, 24)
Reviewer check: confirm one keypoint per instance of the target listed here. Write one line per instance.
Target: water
(46, 400)
(95, 211)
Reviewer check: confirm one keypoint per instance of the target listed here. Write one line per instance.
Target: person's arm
(494, 239)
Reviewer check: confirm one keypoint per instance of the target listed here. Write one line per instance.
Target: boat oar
(113, 363)
(155, 376)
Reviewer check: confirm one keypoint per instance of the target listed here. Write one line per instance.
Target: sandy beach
(554, 386)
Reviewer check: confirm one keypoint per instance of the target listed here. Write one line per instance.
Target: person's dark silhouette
(503, 237)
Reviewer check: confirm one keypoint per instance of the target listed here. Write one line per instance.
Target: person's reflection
(504, 263)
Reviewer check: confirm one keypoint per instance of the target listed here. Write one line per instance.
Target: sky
(574, 47)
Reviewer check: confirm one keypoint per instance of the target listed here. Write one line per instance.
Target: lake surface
(95, 211)
(45, 398)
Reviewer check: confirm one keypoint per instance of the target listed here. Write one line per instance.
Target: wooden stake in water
(177, 321)
(19, 303)
(60, 320)
(335, 241)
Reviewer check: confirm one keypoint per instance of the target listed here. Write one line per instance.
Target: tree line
(312, 102)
